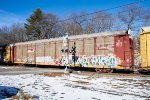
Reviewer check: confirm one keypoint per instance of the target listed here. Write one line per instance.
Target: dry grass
(81, 82)
(53, 74)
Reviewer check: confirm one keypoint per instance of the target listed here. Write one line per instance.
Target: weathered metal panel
(145, 49)
(14, 54)
(71, 43)
(30, 52)
(40, 53)
(105, 45)
(59, 46)
(79, 47)
(40, 50)
(24, 53)
(47, 47)
(74, 37)
(89, 46)
(19, 53)
(52, 49)
(148, 48)
(124, 50)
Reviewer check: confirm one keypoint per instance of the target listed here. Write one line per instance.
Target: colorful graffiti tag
(110, 61)
(85, 61)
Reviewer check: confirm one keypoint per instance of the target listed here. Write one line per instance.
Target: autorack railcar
(103, 51)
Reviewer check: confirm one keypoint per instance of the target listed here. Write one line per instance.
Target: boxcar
(145, 48)
(109, 50)
(6, 54)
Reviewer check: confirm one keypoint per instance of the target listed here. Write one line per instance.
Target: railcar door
(123, 48)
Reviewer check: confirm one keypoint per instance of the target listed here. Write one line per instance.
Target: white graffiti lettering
(110, 61)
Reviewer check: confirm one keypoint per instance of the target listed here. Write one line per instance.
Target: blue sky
(14, 11)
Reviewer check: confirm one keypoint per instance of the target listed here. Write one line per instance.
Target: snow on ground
(79, 87)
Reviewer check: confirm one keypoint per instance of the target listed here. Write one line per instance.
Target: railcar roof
(145, 30)
(74, 37)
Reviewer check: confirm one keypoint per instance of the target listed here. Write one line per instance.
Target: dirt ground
(15, 70)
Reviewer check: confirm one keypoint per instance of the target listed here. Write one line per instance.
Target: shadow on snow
(7, 92)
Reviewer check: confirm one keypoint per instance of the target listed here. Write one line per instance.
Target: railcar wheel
(98, 70)
(109, 70)
(104, 70)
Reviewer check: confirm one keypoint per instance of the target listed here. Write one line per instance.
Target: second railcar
(145, 50)
(98, 50)
(6, 54)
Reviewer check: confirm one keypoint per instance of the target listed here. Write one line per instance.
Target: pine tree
(34, 25)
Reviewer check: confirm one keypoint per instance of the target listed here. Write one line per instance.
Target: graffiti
(65, 60)
(84, 61)
(119, 43)
(110, 61)
(105, 47)
(27, 60)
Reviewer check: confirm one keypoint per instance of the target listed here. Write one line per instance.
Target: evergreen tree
(34, 25)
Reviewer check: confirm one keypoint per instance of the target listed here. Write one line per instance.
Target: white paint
(119, 43)
(31, 50)
(46, 59)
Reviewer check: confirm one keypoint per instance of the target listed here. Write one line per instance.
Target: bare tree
(12, 34)
(89, 28)
(49, 26)
(4, 35)
(129, 15)
(146, 17)
(76, 25)
(102, 21)
(18, 33)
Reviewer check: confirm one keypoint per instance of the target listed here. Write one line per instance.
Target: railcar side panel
(71, 43)
(148, 48)
(52, 49)
(105, 47)
(79, 47)
(14, 54)
(30, 52)
(89, 47)
(24, 53)
(145, 48)
(19, 53)
(40, 53)
(59, 45)
(47, 56)
(124, 50)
